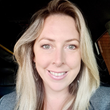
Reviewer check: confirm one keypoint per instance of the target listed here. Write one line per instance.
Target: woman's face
(57, 52)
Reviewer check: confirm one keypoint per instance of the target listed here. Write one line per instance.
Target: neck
(56, 100)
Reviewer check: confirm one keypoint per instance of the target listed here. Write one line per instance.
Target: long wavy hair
(29, 86)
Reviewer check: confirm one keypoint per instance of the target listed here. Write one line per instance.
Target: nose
(58, 59)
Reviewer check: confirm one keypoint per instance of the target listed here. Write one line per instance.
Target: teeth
(57, 74)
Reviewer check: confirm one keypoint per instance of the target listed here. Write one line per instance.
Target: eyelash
(71, 45)
(44, 46)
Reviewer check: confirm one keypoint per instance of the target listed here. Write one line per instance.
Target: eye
(71, 47)
(46, 46)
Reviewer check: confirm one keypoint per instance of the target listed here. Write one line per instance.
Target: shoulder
(7, 102)
(101, 99)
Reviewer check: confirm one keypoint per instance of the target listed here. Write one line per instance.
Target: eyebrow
(49, 39)
(69, 40)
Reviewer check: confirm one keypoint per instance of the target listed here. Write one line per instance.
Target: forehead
(60, 20)
(59, 25)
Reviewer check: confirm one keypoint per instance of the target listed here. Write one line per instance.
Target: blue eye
(46, 46)
(72, 47)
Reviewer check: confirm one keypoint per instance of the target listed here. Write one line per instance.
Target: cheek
(41, 60)
(74, 61)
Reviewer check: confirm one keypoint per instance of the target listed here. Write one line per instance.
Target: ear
(33, 56)
(34, 59)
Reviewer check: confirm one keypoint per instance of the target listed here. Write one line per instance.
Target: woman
(57, 67)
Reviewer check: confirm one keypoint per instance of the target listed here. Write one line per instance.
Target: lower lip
(57, 77)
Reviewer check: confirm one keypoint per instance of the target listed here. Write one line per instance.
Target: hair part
(29, 86)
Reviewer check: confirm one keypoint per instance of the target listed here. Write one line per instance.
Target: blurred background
(14, 19)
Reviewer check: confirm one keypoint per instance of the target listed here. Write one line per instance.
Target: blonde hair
(29, 86)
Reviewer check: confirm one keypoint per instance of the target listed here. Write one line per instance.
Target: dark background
(15, 16)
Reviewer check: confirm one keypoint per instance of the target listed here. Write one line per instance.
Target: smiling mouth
(57, 74)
